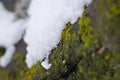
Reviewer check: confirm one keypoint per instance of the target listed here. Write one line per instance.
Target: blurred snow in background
(11, 31)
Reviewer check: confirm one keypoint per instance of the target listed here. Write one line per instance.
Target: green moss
(9, 4)
(66, 57)
(106, 21)
(2, 50)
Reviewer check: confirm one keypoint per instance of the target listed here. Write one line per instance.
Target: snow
(45, 64)
(47, 19)
(45, 25)
(11, 32)
(63, 61)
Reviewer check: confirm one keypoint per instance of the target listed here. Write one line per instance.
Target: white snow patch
(64, 61)
(44, 28)
(11, 32)
(45, 64)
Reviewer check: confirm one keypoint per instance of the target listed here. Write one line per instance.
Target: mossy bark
(105, 17)
(88, 50)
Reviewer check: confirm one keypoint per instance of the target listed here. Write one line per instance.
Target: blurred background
(88, 50)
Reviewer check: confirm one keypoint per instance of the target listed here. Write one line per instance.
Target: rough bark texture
(88, 50)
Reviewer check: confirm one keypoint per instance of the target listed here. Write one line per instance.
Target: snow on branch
(47, 19)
